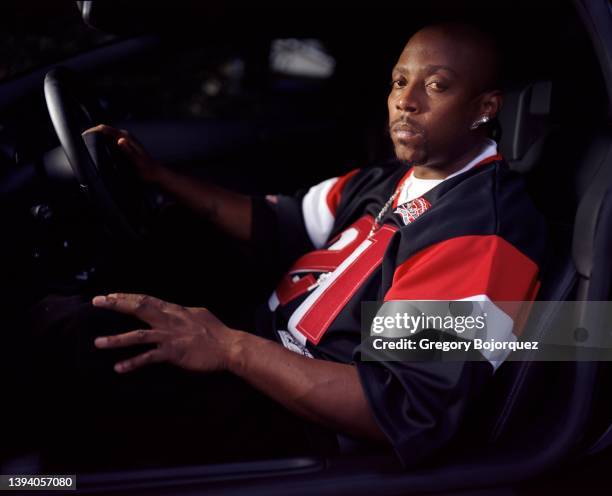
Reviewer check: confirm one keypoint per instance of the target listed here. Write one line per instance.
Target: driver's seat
(519, 434)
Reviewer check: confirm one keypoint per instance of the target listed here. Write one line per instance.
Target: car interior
(276, 105)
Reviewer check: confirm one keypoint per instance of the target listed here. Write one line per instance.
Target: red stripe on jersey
(335, 193)
(465, 266)
(327, 259)
(320, 261)
(400, 185)
(326, 308)
(488, 160)
(288, 289)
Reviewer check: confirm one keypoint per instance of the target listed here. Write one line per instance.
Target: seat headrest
(525, 123)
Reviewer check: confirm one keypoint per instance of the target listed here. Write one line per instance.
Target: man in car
(445, 221)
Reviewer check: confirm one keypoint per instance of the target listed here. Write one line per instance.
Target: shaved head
(477, 50)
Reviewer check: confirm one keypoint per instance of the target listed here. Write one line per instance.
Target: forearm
(326, 392)
(228, 210)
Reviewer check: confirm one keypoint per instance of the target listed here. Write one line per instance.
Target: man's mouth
(405, 132)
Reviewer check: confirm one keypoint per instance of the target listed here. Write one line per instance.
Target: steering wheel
(112, 185)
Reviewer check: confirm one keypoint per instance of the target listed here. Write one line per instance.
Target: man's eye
(398, 83)
(436, 86)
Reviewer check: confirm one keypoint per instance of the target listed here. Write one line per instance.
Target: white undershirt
(414, 187)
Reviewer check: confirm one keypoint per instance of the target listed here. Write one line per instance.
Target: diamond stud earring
(482, 120)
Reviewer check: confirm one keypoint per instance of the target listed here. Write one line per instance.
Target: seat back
(541, 410)
(525, 123)
(534, 411)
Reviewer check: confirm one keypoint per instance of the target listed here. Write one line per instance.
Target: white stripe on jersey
(317, 216)
(499, 328)
(499, 325)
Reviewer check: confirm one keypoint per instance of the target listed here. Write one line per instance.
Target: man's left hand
(191, 338)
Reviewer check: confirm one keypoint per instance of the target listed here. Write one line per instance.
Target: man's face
(433, 98)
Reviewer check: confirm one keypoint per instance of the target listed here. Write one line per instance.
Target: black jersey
(474, 236)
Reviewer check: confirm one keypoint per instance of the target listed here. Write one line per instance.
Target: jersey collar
(487, 155)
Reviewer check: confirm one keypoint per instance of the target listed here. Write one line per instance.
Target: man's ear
(491, 103)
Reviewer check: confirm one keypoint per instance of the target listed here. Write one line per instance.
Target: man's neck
(442, 171)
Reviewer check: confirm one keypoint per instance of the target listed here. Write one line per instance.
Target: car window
(187, 77)
(33, 34)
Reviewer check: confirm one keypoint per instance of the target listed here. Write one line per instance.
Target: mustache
(403, 121)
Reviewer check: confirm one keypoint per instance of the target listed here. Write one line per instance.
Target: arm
(325, 392)
(228, 210)
(194, 339)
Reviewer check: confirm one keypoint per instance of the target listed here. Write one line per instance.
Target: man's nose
(408, 99)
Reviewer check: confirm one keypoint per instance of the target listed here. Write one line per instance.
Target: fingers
(113, 132)
(147, 308)
(128, 148)
(133, 149)
(152, 356)
(130, 338)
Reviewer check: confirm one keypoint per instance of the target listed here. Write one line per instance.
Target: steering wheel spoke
(111, 184)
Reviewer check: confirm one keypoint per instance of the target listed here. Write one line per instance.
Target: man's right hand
(229, 210)
(148, 168)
